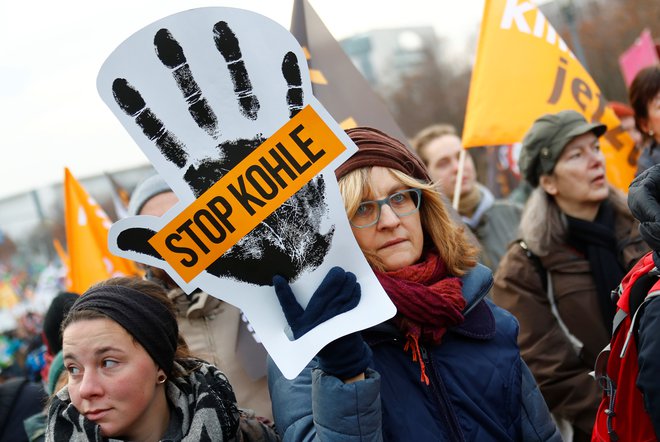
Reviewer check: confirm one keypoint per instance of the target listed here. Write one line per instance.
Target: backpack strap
(546, 282)
(652, 293)
(644, 289)
(536, 261)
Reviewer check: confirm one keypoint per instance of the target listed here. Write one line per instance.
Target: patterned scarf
(202, 408)
(428, 301)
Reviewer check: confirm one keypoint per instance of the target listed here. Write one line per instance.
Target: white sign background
(263, 44)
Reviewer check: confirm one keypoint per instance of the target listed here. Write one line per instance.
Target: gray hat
(546, 139)
(147, 189)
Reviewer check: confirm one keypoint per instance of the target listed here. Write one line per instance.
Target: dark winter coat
(561, 361)
(480, 390)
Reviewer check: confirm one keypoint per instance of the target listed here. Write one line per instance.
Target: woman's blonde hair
(439, 229)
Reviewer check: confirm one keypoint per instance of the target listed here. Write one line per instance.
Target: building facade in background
(386, 56)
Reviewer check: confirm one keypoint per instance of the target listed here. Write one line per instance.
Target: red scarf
(428, 301)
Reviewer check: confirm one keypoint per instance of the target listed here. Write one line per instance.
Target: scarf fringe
(412, 344)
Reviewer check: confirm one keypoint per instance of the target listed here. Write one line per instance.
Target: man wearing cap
(578, 239)
(213, 329)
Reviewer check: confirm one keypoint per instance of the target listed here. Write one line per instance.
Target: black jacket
(19, 399)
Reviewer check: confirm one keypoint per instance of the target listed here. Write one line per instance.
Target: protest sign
(524, 70)
(643, 53)
(220, 101)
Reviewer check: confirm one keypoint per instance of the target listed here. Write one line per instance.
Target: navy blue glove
(345, 357)
(339, 292)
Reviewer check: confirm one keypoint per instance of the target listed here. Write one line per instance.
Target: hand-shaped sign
(220, 101)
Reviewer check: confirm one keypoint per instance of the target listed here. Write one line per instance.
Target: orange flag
(8, 297)
(65, 260)
(87, 225)
(120, 197)
(524, 70)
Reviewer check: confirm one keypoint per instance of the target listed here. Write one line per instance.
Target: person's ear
(162, 377)
(549, 184)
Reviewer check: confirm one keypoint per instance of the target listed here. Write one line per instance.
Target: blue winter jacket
(479, 390)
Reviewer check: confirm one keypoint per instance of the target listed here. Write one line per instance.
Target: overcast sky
(51, 115)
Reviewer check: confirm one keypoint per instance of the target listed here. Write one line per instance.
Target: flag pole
(459, 180)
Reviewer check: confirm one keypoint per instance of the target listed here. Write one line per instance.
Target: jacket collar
(476, 285)
(479, 321)
(486, 202)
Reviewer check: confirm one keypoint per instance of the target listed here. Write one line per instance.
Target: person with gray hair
(578, 239)
(214, 330)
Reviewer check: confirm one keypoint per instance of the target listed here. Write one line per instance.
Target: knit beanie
(53, 318)
(376, 148)
(145, 318)
(147, 189)
(621, 110)
(54, 372)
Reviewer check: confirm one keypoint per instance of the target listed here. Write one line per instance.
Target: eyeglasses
(403, 203)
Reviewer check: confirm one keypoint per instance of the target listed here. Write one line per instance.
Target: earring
(651, 133)
(162, 378)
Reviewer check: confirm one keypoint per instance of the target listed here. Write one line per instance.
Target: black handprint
(132, 103)
(227, 43)
(171, 54)
(288, 241)
(291, 73)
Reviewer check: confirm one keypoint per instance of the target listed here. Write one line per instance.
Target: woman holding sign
(130, 376)
(447, 366)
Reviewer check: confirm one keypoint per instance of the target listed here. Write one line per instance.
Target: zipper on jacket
(441, 394)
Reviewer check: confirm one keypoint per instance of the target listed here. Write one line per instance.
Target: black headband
(145, 318)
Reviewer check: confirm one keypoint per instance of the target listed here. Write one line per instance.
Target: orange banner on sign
(246, 195)
(524, 70)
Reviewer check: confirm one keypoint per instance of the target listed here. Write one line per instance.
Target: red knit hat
(376, 148)
(621, 110)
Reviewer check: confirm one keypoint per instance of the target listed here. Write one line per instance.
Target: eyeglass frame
(386, 202)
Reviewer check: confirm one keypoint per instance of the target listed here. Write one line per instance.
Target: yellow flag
(8, 297)
(87, 225)
(523, 70)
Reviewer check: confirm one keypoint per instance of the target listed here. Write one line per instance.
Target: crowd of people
(503, 311)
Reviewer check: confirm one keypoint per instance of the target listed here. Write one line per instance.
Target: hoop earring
(162, 378)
